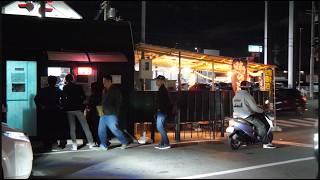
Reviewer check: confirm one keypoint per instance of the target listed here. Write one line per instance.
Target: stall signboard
(239, 70)
(145, 69)
(116, 79)
(268, 80)
(44, 81)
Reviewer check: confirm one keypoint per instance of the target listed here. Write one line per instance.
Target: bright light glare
(316, 140)
(16, 135)
(54, 71)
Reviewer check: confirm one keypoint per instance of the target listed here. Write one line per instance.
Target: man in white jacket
(245, 107)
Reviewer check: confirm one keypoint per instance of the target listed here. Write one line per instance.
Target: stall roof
(165, 56)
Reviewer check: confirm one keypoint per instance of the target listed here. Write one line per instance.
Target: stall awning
(87, 57)
(168, 57)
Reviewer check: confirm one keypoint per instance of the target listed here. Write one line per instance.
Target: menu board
(268, 80)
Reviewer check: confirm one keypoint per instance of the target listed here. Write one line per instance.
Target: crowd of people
(101, 110)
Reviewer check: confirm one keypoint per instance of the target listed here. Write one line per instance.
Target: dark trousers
(261, 125)
(93, 122)
(50, 127)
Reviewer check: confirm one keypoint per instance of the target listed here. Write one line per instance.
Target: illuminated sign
(84, 70)
(239, 70)
(254, 48)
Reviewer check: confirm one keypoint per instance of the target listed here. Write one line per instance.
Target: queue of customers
(101, 111)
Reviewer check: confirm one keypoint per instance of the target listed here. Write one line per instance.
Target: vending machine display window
(60, 73)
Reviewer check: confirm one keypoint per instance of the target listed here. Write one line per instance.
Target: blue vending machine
(21, 90)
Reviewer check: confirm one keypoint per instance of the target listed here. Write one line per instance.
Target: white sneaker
(74, 147)
(269, 146)
(90, 145)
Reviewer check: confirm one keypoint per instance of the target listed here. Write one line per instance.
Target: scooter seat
(243, 121)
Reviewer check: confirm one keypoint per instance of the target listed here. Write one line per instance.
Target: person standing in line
(111, 101)
(163, 107)
(91, 112)
(73, 97)
(48, 104)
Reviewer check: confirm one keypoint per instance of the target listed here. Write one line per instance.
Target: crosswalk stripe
(294, 123)
(286, 125)
(302, 121)
(310, 119)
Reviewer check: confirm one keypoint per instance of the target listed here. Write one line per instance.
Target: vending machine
(21, 90)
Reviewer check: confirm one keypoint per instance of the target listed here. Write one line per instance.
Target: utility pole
(299, 79)
(266, 32)
(290, 44)
(312, 52)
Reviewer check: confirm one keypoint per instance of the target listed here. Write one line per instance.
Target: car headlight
(16, 135)
(316, 141)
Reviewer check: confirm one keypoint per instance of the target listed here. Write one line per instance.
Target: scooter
(241, 132)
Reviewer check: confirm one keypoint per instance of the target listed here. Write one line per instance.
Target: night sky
(228, 26)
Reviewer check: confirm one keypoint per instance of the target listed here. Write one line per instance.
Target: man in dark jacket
(163, 106)
(111, 101)
(48, 104)
(73, 97)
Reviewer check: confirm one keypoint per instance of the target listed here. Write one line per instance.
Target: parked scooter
(241, 132)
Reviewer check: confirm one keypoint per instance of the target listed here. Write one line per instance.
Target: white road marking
(293, 143)
(293, 123)
(246, 168)
(302, 121)
(311, 119)
(286, 125)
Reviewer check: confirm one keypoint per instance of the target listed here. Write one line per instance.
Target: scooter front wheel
(234, 142)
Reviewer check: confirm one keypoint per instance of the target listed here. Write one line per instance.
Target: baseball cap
(160, 77)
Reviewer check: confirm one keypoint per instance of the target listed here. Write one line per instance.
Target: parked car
(17, 155)
(290, 100)
(200, 87)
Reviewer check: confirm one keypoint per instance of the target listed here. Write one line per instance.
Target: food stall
(196, 108)
(202, 68)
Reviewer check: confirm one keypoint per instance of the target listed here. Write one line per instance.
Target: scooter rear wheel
(234, 142)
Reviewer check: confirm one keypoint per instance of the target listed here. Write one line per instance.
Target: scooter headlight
(266, 102)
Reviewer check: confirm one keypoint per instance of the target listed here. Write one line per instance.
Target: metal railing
(190, 110)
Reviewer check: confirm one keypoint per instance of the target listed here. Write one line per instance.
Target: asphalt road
(293, 158)
(212, 160)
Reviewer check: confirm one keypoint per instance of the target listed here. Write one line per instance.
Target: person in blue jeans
(111, 101)
(163, 107)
